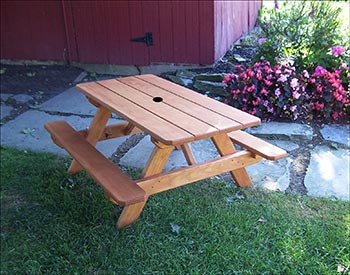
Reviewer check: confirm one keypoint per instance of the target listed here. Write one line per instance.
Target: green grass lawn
(53, 223)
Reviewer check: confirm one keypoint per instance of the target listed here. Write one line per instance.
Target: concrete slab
(268, 174)
(27, 132)
(328, 173)
(5, 111)
(281, 130)
(337, 133)
(70, 102)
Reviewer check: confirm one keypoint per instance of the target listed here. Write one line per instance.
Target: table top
(168, 112)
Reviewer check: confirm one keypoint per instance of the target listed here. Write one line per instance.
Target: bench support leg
(96, 129)
(155, 165)
(225, 147)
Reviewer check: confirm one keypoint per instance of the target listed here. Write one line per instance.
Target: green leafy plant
(302, 33)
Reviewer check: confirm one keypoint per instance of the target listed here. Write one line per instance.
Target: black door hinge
(148, 39)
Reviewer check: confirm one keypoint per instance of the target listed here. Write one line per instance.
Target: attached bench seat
(257, 145)
(118, 187)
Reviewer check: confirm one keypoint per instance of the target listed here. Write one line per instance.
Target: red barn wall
(232, 19)
(190, 32)
(32, 30)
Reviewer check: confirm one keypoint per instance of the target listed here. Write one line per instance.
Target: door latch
(148, 39)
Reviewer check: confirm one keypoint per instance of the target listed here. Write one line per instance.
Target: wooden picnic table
(174, 117)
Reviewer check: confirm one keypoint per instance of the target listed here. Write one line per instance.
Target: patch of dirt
(31, 80)
(41, 82)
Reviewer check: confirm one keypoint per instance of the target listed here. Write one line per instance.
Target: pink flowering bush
(265, 91)
(279, 92)
(329, 99)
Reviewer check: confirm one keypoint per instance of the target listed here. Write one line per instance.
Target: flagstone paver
(328, 173)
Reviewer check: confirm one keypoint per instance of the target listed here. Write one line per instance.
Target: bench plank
(118, 186)
(257, 145)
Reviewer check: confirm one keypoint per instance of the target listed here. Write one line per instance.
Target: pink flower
(294, 83)
(244, 76)
(305, 74)
(256, 102)
(259, 75)
(264, 92)
(293, 108)
(253, 112)
(283, 78)
(319, 70)
(337, 50)
(318, 106)
(257, 64)
(270, 110)
(278, 92)
(250, 73)
(335, 116)
(337, 96)
(296, 95)
(228, 77)
(261, 40)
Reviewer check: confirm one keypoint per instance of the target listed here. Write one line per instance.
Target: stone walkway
(317, 165)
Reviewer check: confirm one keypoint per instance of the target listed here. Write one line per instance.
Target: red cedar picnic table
(173, 116)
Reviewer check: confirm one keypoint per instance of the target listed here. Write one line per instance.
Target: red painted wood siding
(232, 19)
(192, 32)
(32, 30)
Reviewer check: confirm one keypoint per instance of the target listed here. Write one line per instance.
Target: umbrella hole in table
(157, 99)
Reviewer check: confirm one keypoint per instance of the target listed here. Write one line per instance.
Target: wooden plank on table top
(141, 118)
(192, 125)
(245, 119)
(208, 116)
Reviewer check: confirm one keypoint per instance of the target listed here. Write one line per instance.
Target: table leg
(155, 165)
(225, 147)
(96, 129)
(190, 158)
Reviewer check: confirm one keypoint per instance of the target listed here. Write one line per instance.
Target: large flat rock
(281, 130)
(27, 132)
(70, 101)
(328, 173)
(272, 175)
(337, 133)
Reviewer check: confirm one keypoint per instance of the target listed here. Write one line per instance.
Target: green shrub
(302, 33)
